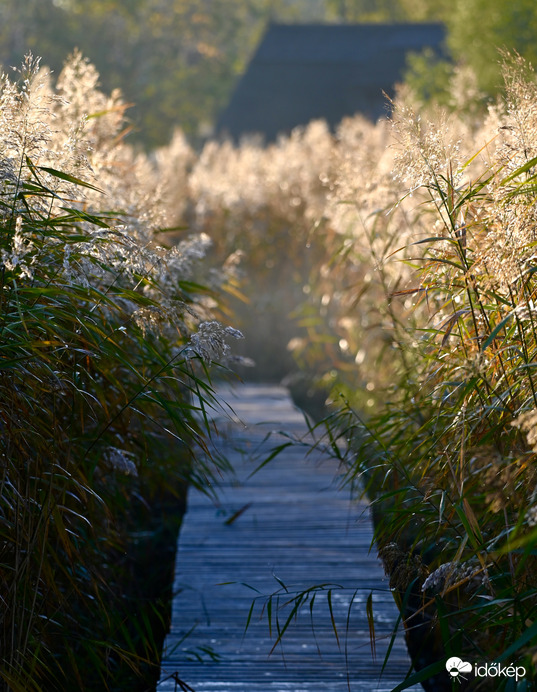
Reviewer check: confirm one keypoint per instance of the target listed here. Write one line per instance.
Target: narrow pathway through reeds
(285, 529)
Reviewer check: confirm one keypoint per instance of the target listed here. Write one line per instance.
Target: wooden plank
(297, 529)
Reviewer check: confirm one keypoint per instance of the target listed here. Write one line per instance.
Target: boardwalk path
(299, 529)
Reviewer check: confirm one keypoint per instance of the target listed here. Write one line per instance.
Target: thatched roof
(306, 71)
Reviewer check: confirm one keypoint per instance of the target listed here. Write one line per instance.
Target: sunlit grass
(101, 330)
(415, 307)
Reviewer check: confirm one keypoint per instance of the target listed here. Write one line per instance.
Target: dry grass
(102, 333)
(408, 269)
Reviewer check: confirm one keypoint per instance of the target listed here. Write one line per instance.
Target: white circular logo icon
(456, 667)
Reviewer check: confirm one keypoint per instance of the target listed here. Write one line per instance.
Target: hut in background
(302, 72)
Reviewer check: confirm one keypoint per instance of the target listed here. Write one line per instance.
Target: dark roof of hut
(301, 72)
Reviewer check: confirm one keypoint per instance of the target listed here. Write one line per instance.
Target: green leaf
(269, 615)
(523, 169)
(280, 582)
(528, 635)
(68, 178)
(274, 453)
(494, 333)
(329, 599)
(371, 625)
(421, 675)
(248, 619)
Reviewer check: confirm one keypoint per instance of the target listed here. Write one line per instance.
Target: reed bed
(408, 264)
(392, 264)
(106, 337)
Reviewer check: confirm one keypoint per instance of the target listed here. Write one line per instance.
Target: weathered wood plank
(299, 528)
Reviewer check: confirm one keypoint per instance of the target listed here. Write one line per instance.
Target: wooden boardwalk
(298, 530)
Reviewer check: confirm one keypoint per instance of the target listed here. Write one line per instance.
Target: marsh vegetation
(386, 270)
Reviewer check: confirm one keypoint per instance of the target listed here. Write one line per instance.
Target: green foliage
(420, 312)
(429, 76)
(478, 30)
(387, 10)
(98, 386)
(176, 60)
(451, 477)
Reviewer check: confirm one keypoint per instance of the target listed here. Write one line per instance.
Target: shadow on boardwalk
(296, 530)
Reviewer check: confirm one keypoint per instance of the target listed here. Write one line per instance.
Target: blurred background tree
(478, 28)
(178, 60)
(477, 31)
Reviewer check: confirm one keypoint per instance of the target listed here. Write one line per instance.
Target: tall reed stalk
(420, 316)
(99, 386)
(449, 459)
